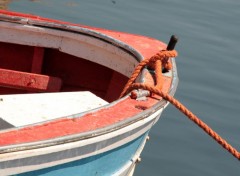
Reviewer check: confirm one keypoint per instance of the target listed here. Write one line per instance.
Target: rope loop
(158, 62)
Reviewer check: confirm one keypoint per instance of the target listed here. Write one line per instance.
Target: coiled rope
(157, 62)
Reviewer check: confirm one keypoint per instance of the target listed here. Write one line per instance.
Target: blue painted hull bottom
(104, 164)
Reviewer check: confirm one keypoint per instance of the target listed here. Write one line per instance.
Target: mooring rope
(161, 60)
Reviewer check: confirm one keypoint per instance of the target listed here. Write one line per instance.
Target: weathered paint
(29, 81)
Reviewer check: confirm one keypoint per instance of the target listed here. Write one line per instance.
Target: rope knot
(163, 56)
(157, 62)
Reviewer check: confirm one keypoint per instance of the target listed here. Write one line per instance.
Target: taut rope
(157, 62)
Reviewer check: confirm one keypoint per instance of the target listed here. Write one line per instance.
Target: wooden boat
(59, 108)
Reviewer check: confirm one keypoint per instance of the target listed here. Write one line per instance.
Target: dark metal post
(172, 42)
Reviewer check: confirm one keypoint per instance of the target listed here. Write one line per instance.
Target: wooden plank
(29, 81)
(37, 60)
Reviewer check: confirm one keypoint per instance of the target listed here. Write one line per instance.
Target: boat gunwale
(78, 29)
(100, 131)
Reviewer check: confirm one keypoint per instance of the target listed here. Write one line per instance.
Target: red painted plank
(29, 81)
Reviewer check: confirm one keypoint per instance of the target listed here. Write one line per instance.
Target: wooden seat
(29, 81)
(26, 109)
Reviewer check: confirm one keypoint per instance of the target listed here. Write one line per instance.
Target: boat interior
(47, 73)
(31, 69)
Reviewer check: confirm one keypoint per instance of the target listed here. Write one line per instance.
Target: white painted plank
(25, 109)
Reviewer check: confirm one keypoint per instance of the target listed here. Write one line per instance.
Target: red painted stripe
(66, 126)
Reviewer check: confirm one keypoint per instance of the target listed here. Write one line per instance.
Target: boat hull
(114, 153)
(106, 139)
(107, 163)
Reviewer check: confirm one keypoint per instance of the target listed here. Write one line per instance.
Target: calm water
(208, 66)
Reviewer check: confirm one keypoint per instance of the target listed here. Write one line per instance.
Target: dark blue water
(208, 66)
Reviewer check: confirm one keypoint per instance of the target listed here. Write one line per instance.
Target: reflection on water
(4, 4)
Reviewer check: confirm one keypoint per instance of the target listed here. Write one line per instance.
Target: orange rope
(162, 56)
